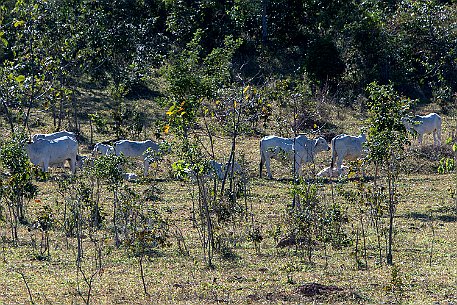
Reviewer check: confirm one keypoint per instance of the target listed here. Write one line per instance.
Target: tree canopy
(48, 48)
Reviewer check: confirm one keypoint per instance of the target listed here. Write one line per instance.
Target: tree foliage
(387, 135)
(49, 47)
(386, 141)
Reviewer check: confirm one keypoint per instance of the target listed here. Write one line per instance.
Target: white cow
(219, 168)
(101, 149)
(279, 148)
(430, 123)
(130, 177)
(53, 136)
(345, 147)
(332, 173)
(216, 169)
(136, 149)
(45, 152)
(81, 161)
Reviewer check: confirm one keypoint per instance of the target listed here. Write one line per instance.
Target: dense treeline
(50, 48)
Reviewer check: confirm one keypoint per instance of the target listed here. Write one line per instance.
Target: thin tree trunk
(143, 280)
(231, 161)
(207, 218)
(432, 242)
(32, 90)
(116, 234)
(54, 115)
(264, 22)
(27, 286)
(391, 221)
(357, 248)
(14, 223)
(61, 115)
(375, 214)
(79, 233)
(91, 132)
(296, 198)
(75, 109)
(8, 115)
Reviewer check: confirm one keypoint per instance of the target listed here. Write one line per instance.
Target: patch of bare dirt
(329, 293)
(313, 289)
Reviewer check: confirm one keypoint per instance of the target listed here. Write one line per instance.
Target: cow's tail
(262, 159)
(332, 143)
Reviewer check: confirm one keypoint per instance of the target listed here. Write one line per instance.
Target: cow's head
(320, 144)
(95, 151)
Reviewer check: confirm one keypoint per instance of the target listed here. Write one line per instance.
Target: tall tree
(386, 141)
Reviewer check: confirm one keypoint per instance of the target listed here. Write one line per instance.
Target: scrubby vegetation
(207, 79)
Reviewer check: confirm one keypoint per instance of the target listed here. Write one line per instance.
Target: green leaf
(454, 147)
(20, 78)
(19, 23)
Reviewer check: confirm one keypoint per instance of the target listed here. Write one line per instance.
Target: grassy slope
(269, 277)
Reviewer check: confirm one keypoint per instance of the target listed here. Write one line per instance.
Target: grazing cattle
(215, 170)
(219, 169)
(345, 147)
(136, 149)
(430, 123)
(130, 176)
(45, 153)
(299, 148)
(332, 173)
(53, 136)
(101, 149)
(81, 161)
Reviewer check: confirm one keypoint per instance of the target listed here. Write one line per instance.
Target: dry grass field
(425, 245)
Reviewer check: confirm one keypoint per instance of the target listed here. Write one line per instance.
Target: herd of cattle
(52, 150)
(300, 150)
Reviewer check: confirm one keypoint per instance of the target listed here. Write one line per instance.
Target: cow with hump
(136, 149)
(301, 149)
(422, 124)
(45, 153)
(101, 149)
(215, 169)
(346, 147)
(54, 135)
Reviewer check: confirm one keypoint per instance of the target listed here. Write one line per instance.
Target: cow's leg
(262, 160)
(72, 162)
(299, 170)
(339, 164)
(45, 166)
(419, 138)
(437, 137)
(146, 168)
(434, 138)
(330, 171)
(267, 166)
